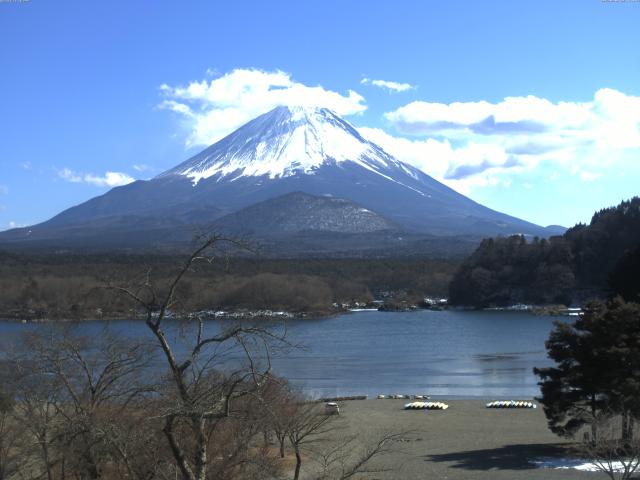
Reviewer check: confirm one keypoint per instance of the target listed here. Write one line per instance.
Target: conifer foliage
(599, 259)
(597, 369)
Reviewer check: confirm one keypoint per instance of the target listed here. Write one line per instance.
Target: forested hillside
(73, 286)
(594, 259)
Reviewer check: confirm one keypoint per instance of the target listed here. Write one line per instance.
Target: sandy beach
(467, 441)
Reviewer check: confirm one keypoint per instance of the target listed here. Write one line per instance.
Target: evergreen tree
(504, 271)
(597, 368)
(624, 279)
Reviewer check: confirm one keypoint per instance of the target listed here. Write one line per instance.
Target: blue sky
(531, 108)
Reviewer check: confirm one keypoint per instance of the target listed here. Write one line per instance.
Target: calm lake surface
(451, 354)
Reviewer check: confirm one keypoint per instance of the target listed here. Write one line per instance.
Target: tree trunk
(181, 461)
(92, 468)
(627, 427)
(199, 425)
(45, 455)
(594, 426)
(296, 474)
(2, 459)
(281, 447)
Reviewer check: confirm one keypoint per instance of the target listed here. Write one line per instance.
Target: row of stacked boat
(511, 404)
(398, 396)
(420, 404)
(426, 406)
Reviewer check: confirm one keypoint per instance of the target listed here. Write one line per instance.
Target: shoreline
(230, 315)
(263, 314)
(441, 398)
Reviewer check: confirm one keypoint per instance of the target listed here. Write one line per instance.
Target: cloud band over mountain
(464, 144)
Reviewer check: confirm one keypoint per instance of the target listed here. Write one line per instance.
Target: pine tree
(624, 279)
(597, 368)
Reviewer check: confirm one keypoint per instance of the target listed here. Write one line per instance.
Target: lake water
(453, 354)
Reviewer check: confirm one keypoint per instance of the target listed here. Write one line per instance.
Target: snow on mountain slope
(288, 141)
(286, 150)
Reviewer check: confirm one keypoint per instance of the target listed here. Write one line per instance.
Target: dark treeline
(588, 260)
(66, 285)
(506, 271)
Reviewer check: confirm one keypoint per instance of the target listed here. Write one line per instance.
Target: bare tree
(99, 407)
(198, 396)
(37, 398)
(616, 450)
(314, 434)
(280, 405)
(347, 457)
(10, 438)
(72, 396)
(309, 424)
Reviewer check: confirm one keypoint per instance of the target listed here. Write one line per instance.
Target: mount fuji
(289, 172)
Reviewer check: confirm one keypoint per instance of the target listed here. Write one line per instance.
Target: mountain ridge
(298, 212)
(285, 150)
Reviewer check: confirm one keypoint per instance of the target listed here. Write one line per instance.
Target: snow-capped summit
(246, 181)
(284, 142)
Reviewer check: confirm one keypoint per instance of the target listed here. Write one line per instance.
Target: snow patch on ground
(571, 464)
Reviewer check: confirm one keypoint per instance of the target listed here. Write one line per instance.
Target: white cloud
(466, 145)
(214, 108)
(460, 168)
(584, 175)
(4, 190)
(16, 225)
(484, 144)
(69, 175)
(388, 85)
(610, 120)
(589, 176)
(212, 72)
(512, 115)
(429, 155)
(109, 179)
(141, 167)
